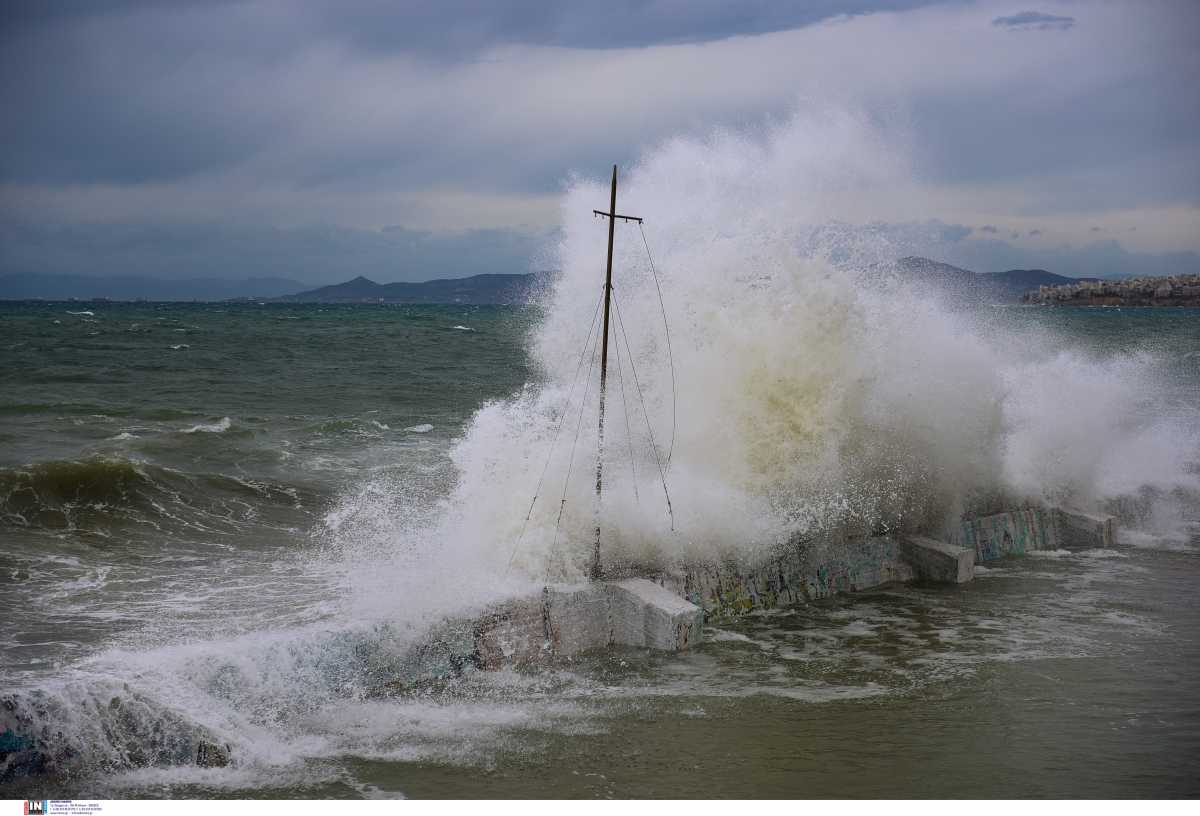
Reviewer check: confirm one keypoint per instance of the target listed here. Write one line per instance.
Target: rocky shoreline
(1174, 290)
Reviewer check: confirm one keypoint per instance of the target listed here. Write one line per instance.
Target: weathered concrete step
(648, 615)
(938, 561)
(572, 619)
(563, 621)
(1078, 530)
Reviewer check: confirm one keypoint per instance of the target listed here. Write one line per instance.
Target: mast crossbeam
(626, 218)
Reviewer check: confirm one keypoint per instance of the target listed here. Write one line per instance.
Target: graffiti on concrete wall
(1013, 533)
(797, 576)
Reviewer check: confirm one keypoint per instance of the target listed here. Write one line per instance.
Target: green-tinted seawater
(167, 476)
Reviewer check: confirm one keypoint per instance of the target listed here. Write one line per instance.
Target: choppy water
(169, 463)
(203, 502)
(242, 517)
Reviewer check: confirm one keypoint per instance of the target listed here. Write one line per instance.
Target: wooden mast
(612, 216)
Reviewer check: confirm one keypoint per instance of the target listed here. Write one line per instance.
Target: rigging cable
(667, 330)
(629, 351)
(587, 384)
(628, 430)
(566, 409)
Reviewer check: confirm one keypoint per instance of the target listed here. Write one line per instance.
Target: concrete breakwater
(41, 733)
(809, 571)
(1173, 290)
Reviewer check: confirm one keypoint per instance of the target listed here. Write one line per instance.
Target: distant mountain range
(959, 284)
(987, 287)
(478, 289)
(83, 287)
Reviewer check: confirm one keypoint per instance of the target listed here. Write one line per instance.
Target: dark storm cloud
(458, 115)
(130, 91)
(455, 27)
(1034, 20)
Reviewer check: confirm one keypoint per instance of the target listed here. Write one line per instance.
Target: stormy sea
(234, 515)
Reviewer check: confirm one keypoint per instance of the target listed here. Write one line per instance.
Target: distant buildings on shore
(1173, 290)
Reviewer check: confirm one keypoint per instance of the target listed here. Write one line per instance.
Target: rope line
(587, 385)
(633, 368)
(558, 429)
(667, 330)
(628, 430)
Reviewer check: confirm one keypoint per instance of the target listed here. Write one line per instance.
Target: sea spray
(817, 396)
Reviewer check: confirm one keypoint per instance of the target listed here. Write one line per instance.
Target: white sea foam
(215, 427)
(180, 346)
(424, 428)
(83, 314)
(463, 328)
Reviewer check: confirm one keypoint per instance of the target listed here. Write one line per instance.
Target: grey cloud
(303, 92)
(454, 28)
(988, 228)
(1034, 20)
(1033, 233)
(311, 106)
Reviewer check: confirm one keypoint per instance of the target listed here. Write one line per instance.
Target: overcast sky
(411, 140)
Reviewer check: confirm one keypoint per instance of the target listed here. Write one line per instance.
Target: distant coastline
(1029, 286)
(487, 289)
(1172, 290)
(477, 290)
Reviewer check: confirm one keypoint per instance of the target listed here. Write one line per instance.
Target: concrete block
(798, 574)
(937, 560)
(1015, 532)
(577, 618)
(513, 633)
(1078, 530)
(647, 615)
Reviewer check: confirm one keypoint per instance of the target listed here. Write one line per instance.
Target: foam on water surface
(814, 398)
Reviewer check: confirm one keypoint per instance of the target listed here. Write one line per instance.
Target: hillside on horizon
(989, 287)
(484, 289)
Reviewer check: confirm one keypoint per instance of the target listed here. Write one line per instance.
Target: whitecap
(83, 314)
(463, 328)
(420, 428)
(215, 427)
(179, 346)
